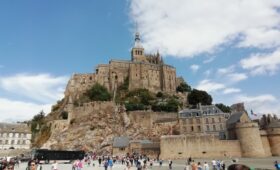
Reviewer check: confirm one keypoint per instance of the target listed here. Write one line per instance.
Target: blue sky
(221, 47)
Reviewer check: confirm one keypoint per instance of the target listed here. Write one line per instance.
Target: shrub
(98, 93)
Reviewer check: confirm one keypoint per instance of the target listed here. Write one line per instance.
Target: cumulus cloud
(209, 86)
(185, 28)
(261, 104)
(194, 68)
(231, 75)
(231, 90)
(12, 110)
(42, 88)
(259, 64)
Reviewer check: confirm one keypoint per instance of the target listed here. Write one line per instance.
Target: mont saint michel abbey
(143, 71)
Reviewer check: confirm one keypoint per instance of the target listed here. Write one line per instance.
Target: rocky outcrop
(94, 129)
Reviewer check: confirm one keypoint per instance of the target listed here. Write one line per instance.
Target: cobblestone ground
(259, 163)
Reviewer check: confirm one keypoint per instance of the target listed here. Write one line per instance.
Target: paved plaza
(256, 163)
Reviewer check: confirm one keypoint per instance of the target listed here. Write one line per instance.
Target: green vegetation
(39, 129)
(98, 93)
(170, 105)
(37, 122)
(222, 107)
(199, 96)
(183, 87)
(138, 99)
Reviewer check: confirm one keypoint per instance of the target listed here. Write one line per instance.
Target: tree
(199, 96)
(222, 107)
(98, 93)
(183, 87)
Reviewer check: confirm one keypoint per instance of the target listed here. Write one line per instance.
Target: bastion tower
(250, 139)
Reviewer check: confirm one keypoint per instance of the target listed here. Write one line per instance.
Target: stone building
(14, 136)
(207, 119)
(123, 145)
(244, 139)
(142, 71)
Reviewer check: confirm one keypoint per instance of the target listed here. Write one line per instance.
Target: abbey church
(142, 71)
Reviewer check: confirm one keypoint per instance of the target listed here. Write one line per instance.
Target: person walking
(110, 163)
(277, 165)
(170, 164)
(206, 166)
(105, 163)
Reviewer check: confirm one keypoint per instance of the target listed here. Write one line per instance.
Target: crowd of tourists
(140, 162)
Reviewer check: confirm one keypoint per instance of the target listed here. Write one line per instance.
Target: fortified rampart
(249, 136)
(205, 146)
(97, 108)
(148, 118)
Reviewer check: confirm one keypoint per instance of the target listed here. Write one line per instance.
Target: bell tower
(137, 51)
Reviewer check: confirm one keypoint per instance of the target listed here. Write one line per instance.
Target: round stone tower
(273, 135)
(250, 139)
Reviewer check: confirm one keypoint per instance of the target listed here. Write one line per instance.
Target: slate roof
(121, 142)
(234, 118)
(203, 110)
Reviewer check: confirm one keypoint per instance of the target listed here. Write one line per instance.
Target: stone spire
(137, 41)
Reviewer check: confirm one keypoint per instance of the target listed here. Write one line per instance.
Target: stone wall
(148, 118)
(58, 125)
(89, 108)
(120, 151)
(204, 146)
(79, 83)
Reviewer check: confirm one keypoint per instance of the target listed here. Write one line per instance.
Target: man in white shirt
(214, 164)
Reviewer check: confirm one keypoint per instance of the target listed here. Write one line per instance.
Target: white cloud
(230, 75)
(19, 111)
(261, 37)
(231, 90)
(236, 77)
(184, 28)
(260, 98)
(261, 104)
(210, 86)
(194, 67)
(226, 70)
(209, 60)
(42, 88)
(259, 64)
